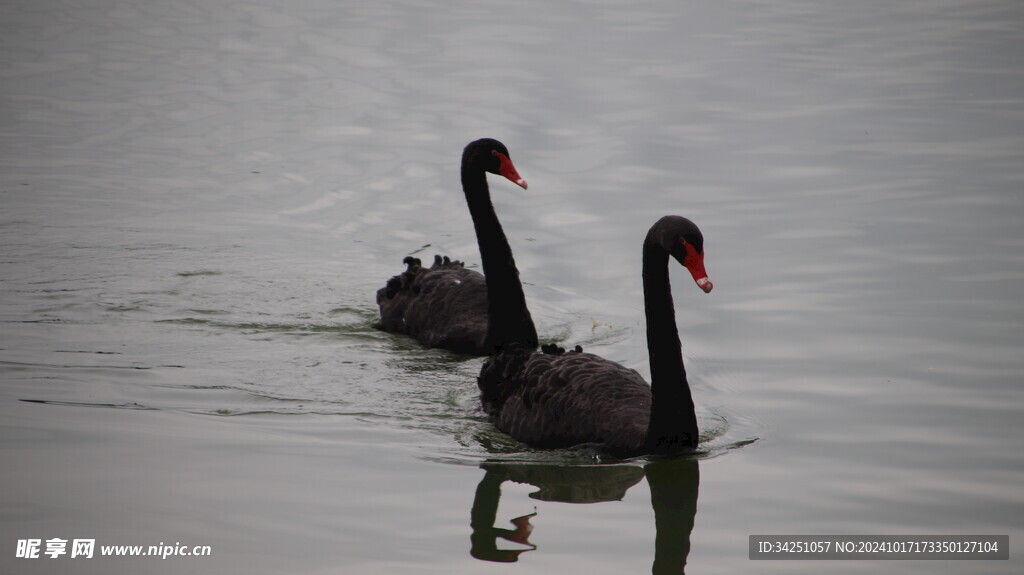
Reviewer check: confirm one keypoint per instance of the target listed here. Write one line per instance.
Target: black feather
(451, 307)
(560, 399)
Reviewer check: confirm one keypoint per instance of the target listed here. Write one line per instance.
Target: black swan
(558, 399)
(451, 307)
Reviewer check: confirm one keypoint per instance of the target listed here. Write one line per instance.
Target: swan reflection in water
(673, 482)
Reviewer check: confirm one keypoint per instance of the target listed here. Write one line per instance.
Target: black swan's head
(492, 156)
(682, 238)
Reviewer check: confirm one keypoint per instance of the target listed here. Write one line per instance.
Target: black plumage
(448, 306)
(442, 306)
(560, 399)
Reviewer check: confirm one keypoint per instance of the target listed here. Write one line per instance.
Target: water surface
(198, 201)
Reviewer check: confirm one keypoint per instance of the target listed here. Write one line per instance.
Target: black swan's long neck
(673, 424)
(509, 319)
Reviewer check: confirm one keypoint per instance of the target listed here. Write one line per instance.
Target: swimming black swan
(447, 305)
(557, 399)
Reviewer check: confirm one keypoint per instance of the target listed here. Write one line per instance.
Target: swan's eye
(690, 248)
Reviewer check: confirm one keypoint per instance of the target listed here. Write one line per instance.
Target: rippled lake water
(198, 201)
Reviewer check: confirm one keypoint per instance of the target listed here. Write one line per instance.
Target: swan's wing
(444, 306)
(574, 398)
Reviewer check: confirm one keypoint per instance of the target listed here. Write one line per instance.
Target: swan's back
(561, 400)
(442, 306)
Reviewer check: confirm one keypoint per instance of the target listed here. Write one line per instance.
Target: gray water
(199, 200)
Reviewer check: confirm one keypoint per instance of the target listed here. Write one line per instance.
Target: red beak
(508, 170)
(694, 262)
